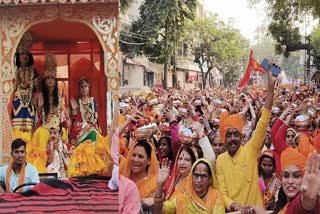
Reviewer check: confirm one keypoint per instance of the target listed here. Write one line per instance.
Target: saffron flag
(253, 65)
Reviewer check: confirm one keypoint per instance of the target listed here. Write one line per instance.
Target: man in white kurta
(18, 153)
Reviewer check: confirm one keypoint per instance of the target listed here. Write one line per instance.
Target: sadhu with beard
(237, 169)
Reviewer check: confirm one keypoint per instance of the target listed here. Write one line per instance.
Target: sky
(246, 19)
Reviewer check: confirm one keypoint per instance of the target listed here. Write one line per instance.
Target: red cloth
(84, 68)
(175, 142)
(274, 129)
(295, 206)
(278, 136)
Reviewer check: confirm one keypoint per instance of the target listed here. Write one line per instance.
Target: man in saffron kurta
(18, 172)
(237, 169)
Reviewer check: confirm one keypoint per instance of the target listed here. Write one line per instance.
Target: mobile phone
(274, 69)
(265, 64)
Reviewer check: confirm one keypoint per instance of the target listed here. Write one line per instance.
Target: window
(149, 79)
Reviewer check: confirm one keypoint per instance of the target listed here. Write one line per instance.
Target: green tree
(125, 4)
(216, 44)
(155, 34)
(285, 16)
(315, 42)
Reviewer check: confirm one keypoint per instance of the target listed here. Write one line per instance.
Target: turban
(233, 121)
(305, 147)
(292, 157)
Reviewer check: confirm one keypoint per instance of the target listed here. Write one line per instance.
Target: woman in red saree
(187, 155)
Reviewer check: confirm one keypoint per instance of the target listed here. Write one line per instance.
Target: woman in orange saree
(141, 166)
(199, 196)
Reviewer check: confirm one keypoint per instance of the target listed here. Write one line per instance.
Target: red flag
(256, 66)
(246, 76)
(253, 65)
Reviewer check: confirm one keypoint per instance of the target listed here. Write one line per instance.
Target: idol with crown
(57, 151)
(51, 105)
(23, 108)
(91, 153)
(84, 112)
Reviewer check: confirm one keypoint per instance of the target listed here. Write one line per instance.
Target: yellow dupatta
(21, 176)
(148, 185)
(187, 201)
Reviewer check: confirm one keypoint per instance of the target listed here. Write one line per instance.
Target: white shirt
(31, 175)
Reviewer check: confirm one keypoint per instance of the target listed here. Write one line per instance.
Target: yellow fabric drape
(147, 185)
(89, 158)
(25, 136)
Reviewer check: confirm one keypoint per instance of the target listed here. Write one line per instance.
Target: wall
(134, 74)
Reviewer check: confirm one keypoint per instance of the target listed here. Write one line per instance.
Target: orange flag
(253, 65)
(256, 66)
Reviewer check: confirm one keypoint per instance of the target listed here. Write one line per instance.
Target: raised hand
(206, 123)
(164, 171)
(288, 119)
(310, 186)
(137, 115)
(196, 127)
(272, 80)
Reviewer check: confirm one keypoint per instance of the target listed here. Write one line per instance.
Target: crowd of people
(251, 149)
(60, 136)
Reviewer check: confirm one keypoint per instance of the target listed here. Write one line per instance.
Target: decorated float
(83, 37)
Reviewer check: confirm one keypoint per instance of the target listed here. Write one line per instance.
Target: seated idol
(18, 171)
(57, 151)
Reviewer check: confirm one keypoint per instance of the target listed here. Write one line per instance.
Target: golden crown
(26, 43)
(54, 123)
(50, 65)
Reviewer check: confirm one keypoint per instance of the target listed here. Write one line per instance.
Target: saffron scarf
(21, 176)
